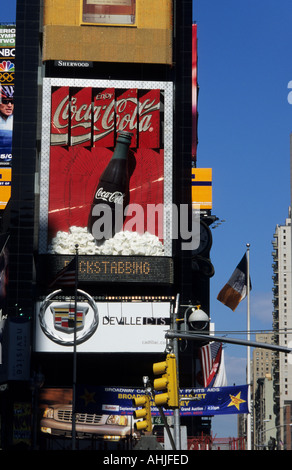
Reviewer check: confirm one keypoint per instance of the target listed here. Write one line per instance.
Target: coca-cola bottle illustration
(112, 193)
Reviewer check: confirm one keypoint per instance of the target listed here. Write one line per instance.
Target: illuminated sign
(5, 185)
(202, 188)
(108, 326)
(7, 35)
(81, 119)
(7, 75)
(111, 268)
(7, 54)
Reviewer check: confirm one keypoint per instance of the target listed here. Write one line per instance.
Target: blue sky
(7, 11)
(245, 120)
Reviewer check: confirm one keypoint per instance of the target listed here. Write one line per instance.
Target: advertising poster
(7, 70)
(5, 186)
(56, 418)
(202, 188)
(102, 327)
(108, 411)
(81, 122)
(117, 400)
(6, 123)
(194, 402)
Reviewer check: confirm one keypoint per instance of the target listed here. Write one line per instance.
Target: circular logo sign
(59, 321)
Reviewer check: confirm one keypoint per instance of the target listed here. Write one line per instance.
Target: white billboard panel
(102, 327)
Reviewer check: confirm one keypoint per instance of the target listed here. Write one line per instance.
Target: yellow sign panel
(5, 186)
(79, 30)
(202, 188)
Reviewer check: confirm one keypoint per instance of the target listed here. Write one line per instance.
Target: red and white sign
(104, 118)
(60, 116)
(84, 117)
(126, 113)
(81, 114)
(112, 111)
(149, 119)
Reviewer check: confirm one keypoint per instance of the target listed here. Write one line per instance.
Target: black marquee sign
(113, 269)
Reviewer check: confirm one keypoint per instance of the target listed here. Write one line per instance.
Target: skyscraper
(282, 323)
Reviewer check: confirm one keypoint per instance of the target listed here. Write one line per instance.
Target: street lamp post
(198, 319)
(176, 412)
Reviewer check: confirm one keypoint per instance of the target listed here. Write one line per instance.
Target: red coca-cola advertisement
(81, 115)
(126, 113)
(149, 119)
(104, 118)
(88, 125)
(60, 111)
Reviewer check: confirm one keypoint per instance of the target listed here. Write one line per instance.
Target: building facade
(262, 358)
(282, 323)
(84, 71)
(262, 391)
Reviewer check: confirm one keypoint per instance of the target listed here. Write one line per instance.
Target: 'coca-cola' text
(97, 114)
(115, 198)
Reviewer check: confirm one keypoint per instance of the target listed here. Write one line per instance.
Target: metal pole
(172, 443)
(75, 355)
(242, 342)
(248, 378)
(176, 413)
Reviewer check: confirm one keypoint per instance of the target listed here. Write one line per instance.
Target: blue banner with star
(193, 401)
(214, 401)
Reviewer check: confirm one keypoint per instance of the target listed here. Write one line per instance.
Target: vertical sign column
(104, 118)
(60, 116)
(7, 69)
(81, 117)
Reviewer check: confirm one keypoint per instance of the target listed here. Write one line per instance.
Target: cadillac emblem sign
(64, 317)
(57, 318)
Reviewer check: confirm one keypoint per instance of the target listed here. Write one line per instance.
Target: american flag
(67, 275)
(210, 358)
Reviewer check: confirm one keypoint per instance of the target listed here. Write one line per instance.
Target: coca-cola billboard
(81, 122)
(93, 116)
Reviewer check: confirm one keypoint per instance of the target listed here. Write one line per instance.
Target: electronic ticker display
(114, 269)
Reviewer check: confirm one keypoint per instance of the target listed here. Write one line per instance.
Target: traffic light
(144, 411)
(168, 382)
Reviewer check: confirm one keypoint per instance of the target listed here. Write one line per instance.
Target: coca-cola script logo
(106, 111)
(61, 115)
(116, 197)
(126, 118)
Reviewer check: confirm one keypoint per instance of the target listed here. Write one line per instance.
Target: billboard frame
(165, 87)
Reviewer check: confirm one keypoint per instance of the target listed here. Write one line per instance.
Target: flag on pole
(235, 290)
(212, 361)
(67, 275)
(221, 378)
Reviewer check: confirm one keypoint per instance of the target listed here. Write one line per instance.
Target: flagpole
(248, 424)
(75, 354)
